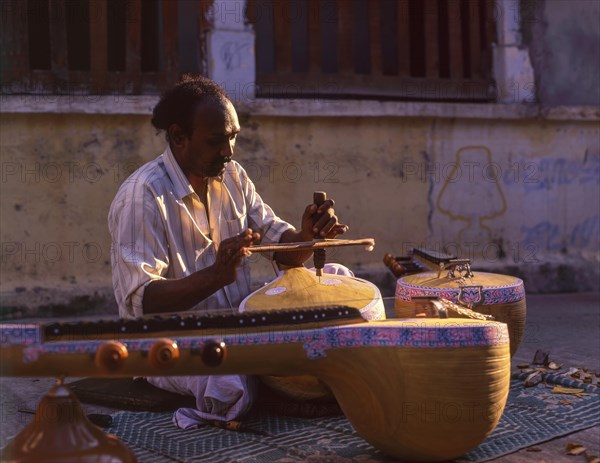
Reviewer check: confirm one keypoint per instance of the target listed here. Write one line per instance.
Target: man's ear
(176, 135)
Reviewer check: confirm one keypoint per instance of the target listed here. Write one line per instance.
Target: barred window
(436, 50)
(405, 49)
(99, 46)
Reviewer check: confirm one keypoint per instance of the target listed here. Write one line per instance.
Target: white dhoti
(222, 398)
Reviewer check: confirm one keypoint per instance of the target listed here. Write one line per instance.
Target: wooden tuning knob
(163, 354)
(213, 353)
(111, 356)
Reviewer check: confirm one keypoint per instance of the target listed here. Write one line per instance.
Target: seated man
(181, 226)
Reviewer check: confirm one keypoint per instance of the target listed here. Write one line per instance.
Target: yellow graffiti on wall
(472, 193)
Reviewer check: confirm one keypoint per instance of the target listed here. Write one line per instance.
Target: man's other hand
(231, 252)
(321, 221)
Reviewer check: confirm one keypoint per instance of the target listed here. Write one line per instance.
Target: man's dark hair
(177, 105)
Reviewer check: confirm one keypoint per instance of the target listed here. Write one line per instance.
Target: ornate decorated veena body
(389, 377)
(501, 296)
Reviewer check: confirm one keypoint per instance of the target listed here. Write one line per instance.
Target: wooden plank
(299, 30)
(345, 39)
(314, 37)
(283, 36)
(431, 39)
(418, 51)
(444, 63)
(150, 44)
(492, 16)
(475, 38)
(188, 21)
(21, 50)
(328, 20)
(403, 38)
(98, 46)
(133, 44)
(8, 76)
(375, 24)
(455, 39)
(14, 47)
(265, 37)
(79, 82)
(151, 82)
(58, 40)
(357, 85)
(118, 82)
(170, 50)
(78, 38)
(38, 32)
(44, 82)
(389, 34)
(117, 39)
(488, 18)
(361, 40)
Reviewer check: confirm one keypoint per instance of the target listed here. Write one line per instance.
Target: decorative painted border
(409, 333)
(20, 334)
(491, 295)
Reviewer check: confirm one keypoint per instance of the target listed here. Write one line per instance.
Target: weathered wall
(507, 193)
(522, 197)
(59, 174)
(564, 44)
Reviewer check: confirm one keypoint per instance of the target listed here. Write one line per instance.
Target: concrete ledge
(43, 302)
(143, 104)
(78, 104)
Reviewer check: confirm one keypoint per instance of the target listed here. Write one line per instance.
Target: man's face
(215, 127)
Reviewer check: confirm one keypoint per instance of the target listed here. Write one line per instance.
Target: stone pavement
(568, 327)
(565, 325)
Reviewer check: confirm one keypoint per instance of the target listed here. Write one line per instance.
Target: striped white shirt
(160, 230)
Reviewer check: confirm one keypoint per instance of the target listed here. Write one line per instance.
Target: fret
(181, 322)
